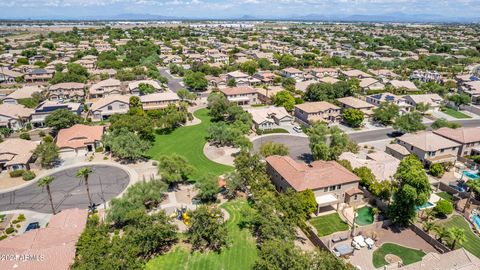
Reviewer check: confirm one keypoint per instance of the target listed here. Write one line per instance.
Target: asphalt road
(299, 146)
(68, 191)
(173, 83)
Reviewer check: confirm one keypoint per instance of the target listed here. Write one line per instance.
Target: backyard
(329, 224)
(407, 255)
(241, 254)
(454, 113)
(188, 141)
(472, 242)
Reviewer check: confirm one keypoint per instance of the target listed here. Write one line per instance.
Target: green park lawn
(472, 244)
(407, 255)
(188, 141)
(329, 224)
(241, 254)
(454, 113)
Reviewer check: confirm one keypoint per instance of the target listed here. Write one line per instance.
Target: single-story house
(16, 154)
(270, 117)
(79, 139)
(14, 116)
(434, 101)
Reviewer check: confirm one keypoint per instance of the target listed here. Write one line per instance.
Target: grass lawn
(329, 224)
(188, 142)
(472, 243)
(407, 255)
(240, 255)
(454, 113)
(444, 195)
(364, 216)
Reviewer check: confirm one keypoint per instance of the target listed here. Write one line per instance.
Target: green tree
(386, 113)
(135, 102)
(443, 208)
(437, 170)
(460, 99)
(146, 88)
(284, 99)
(367, 178)
(207, 229)
(174, 169)
(218, 105)
(281, 255)
(207, 188)
(47, 152)
(422, 107)
(184, 94)
(75, 73)
(457, 236)
(269, 149)
(442, 122)
(195, 81)
(249, 67)
(231, 82)
(62, 118)
(85, 173)
(125, 144)
(413, 190)
(409, 122)
(308, 201)
(45, 182)
(353, 117)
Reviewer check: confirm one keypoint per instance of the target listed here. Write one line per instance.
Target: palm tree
(428, 226)
(442, 233)
(473, 187)
(457, 235)
(45, 182)
(85, 173)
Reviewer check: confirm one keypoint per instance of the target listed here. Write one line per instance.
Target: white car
(298, 129)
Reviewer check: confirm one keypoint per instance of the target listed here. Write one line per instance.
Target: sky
(232, 8)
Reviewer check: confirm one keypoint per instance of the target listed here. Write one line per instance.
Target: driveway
(68, 191)
(174, 84)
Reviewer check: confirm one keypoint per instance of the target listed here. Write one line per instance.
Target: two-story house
(355, 103)
(109, 105)
(468, 138)
(323, 111)
(330, 182)
(47, 107)
(105, 88)
(66, 91)
(241, 95)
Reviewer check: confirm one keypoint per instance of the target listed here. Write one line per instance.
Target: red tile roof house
(331, 183)
(50, 248)
(79, 139)
(468, 138)
(241, 95)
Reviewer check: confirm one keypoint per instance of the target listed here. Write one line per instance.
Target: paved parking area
(68, 191)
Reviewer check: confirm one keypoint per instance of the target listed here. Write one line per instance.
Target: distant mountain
(388, 17)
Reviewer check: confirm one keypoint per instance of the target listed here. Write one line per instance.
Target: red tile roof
(319, 174)
(79, 135)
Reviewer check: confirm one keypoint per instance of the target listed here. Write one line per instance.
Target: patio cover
(325, 200)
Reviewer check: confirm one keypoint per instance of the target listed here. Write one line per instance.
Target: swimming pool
(476, 220)
(424, 206)
(470, 174)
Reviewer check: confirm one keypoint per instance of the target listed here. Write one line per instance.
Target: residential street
(174, 84)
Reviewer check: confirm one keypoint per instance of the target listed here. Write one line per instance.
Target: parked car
(298, 129)
(32, 226)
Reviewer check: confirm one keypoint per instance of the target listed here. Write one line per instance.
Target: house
(378, 99)
(324, 72)
(16, 154)
(303, 85)
(468, 138)
(241, 95)
(79, 139)
(49, 248)
(265, 95)
(384, 74)
(159, 100)
(14, 116)
(133, 87)
(382, 165)
(406, 85)
(355, 103)
(240, 78)
(172, 59)
(355, 73)
(38, 75)
(47, 107)
(453, 260)
(292, 73)
(22, 93)
(105, 88)
(472, 89)
(434, 101)
(36, 58)
(104, 107)
(371, 84)
(270, 117)
(426, 76)
(8, 76)
(219, 58)
(323, 111)
(66, 91)
(330, 182)
(429, 147)
(265, 77)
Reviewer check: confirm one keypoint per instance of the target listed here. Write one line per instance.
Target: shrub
(21, 217)
(9, 230)
(99, 149)
(28, 175)
(437, 170)
(25, 136)
(443, 208)
(18, 226)
(16, 173)
(3, 237)
(41, 133)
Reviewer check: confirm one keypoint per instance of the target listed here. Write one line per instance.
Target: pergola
(325, 200)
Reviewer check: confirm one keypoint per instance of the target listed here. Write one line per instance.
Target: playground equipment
(181, 214)
(186, 219)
